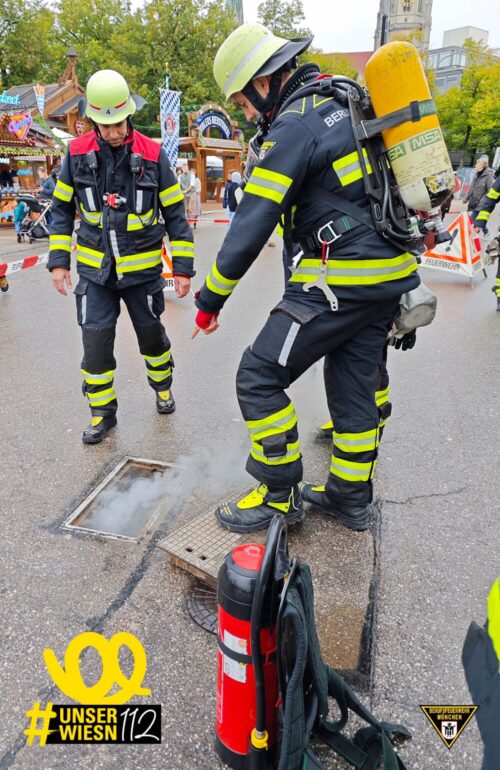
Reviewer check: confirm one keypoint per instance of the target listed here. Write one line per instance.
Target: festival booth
(213, 134)
(28, 113)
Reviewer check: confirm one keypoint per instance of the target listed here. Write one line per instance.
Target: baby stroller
(34, 229)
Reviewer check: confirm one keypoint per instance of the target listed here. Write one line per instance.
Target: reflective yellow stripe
(135, 222)
(483, 216)
(60, 242)
(63, 191)
(98, 379)
(352, 471)
(494, 617)
(272, 418)
(92, 217)
(140, 261)
(357, 272)
(182, 249)
(171, 195)
(357, 442)
(493, 194)
(159, 360)
(268, 184)
(157, 375)
(348, 168)
(381, 396)
(89, 256)
(280, 422)
(217, 283)
(292, 454)
(102, 397)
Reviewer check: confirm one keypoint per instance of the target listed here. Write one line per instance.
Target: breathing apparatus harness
(388, 214)
(136, 166)
(305, 681)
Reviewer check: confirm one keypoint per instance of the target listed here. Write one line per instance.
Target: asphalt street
(434, 551)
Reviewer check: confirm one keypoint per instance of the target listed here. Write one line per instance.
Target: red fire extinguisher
(247, 673)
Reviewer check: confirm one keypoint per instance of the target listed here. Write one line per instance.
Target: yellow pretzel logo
(70, 681)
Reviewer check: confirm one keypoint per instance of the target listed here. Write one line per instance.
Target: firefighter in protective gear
(486, 206)
(308, 164)
(127, 195)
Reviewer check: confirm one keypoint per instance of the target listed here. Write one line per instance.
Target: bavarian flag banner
(170, 102)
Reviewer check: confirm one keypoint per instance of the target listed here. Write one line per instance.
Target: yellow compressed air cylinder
(416, 150)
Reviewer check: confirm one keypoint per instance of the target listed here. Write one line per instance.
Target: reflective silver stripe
(287, 346)
(173, 196)
(84, 308)
(114, 243)
(157, 360)
(90, 198)
(123, 264)
(244, 61)
(259, 181)
(363, 474)
(138, 201)
(289, 420)
(150, 304)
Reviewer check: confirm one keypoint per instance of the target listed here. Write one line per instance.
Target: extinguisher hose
(277, 531)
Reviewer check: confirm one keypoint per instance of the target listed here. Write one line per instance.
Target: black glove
(406, 342)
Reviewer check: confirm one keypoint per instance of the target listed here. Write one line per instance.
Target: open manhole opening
(126, 503)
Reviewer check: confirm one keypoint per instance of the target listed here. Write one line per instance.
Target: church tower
(411, 18)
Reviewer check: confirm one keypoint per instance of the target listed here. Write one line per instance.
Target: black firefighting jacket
(126, 199)
(308, 151)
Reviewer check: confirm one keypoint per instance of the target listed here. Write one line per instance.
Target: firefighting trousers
(497, 280)
(352, 340)
(98, 308)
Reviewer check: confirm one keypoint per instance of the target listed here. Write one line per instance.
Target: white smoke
(210, 473)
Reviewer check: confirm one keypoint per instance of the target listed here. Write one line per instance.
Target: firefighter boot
(351, 516)
(165, 403)
(256, 510)
(97, 429)
(4, 284)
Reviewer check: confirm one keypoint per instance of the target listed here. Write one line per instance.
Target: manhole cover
(201, 605)
(124, 505)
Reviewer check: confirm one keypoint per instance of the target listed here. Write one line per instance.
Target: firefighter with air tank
(343, 294)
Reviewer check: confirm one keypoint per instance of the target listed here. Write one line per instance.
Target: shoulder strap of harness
(310, 682)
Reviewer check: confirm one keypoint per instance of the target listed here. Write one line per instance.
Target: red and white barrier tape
(22, 264)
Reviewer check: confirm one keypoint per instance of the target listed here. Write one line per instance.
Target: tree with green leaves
(470, 113)
(332, 63)
(283, 17)
(26, 42)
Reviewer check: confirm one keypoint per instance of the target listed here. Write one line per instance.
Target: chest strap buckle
(115, 200)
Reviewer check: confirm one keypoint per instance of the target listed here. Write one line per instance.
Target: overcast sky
(342, 26)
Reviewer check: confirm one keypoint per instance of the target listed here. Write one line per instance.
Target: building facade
(236, 7)
(411, 18)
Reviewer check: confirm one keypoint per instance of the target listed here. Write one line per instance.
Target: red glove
(203, 319)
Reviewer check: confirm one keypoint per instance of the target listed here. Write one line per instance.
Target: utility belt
(329, 233)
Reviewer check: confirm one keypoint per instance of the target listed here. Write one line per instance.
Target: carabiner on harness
(326, 236)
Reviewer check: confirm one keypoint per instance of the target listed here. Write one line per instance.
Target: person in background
(195, 199)
(486, 206)
(230, 195)
(19, 214)
(481, 183)
(186, 183)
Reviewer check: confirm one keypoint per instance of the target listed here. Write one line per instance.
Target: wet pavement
(434, 553)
